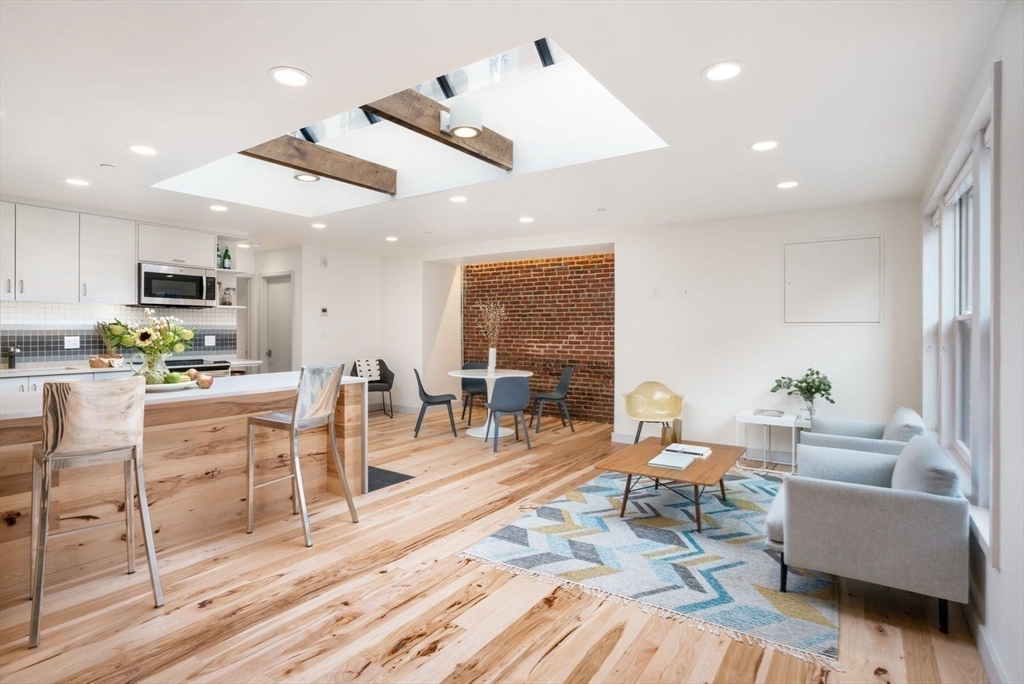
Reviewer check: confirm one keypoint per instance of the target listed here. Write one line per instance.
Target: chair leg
(638, 429)
(419, 421)
(42, 530)
(526, 433)
(783, 572)
(147, 530)
(333, 436)
(497, 428)
(558, 404)
(472, 400)
(451, 418)
(944, 616)
(515, 421)
(391, 405)
(533, 413)
(297, 479)
(250, 475)
(464, 403)
(565, 407)
(540, 414)
(129, 519)
(37, 494)
(487, 427)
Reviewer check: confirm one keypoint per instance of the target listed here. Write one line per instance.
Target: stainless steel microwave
(177, 285)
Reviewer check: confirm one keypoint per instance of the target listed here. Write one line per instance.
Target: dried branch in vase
(492, 318)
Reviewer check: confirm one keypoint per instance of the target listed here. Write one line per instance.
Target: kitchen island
(195, 455)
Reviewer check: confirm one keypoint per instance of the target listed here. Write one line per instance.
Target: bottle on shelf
(227, 258)
(220, 257)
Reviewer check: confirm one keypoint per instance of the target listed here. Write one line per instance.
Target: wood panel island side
(194, 455)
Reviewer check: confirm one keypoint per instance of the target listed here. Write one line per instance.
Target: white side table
(787, 420)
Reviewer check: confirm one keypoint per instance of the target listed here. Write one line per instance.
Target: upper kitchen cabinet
(7, 250)
(107, 260)
(162, 245)
(46, 255)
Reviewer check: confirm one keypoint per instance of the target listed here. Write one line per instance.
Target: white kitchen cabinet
(163, 245)
(34, 383)
(46, 254)
(107, 260)
(7, 250)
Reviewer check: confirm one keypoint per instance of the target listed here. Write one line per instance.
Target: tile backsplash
(38, 329)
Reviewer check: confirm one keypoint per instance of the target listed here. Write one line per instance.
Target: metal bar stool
(87, 423)
(315, 404)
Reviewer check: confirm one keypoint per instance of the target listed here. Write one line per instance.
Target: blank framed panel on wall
(833, 281)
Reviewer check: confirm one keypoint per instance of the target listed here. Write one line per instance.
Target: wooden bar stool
(314, 407)
(87, 423)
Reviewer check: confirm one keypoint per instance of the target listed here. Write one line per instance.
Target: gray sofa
(865, 435)
(899, 521)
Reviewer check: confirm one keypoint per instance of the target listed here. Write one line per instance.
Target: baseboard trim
(623, 437)
(994, 669)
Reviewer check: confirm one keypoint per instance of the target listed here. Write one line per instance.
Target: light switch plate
(210, 341)
(71, 342)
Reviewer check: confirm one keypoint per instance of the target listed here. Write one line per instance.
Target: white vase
(492, 359)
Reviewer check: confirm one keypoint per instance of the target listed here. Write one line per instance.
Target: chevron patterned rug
(655, 558)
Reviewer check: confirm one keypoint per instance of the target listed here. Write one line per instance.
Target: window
(963, 228)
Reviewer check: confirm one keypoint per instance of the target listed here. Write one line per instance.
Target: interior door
(280, 301)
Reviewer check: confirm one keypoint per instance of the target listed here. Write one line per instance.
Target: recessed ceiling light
(143, 150)
(290, 76)
(391, 239)
(218, 207)
(722, 71)
(786, 185)
(764, 146)
(319, 225)
(526, 219)
(602, 208)
(306, 177)
(76, 181)
(457, 199)
(243, 245)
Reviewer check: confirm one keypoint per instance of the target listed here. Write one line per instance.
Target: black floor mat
(380, 478)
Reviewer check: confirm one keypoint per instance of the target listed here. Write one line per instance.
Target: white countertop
(69, 368)
(30, 404)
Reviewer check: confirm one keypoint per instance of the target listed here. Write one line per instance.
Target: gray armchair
(865, 435)
(899, 521)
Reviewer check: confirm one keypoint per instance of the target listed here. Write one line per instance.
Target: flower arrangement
(156, 336)
(492, 318)
(814, 384)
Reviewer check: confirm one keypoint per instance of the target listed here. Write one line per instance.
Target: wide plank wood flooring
(389, 600)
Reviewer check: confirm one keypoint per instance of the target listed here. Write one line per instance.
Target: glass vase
(150, 364)
(807, 412)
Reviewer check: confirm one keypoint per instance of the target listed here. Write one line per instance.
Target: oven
(177, 286)
(213, 368)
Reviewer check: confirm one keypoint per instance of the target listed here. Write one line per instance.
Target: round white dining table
(489, 377)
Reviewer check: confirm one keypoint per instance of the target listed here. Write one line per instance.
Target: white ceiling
(857, 93)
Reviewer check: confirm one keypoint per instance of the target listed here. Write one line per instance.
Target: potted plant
(814, 384)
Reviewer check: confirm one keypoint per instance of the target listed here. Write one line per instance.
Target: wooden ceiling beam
(306, 157)
(421, 114)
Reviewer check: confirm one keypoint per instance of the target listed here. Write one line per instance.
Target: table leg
(721, 483)
(696, 503)
(625, 495)
(766, 437)
(792, 450)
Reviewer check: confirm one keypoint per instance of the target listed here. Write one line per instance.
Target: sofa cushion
(903, 425)
(923, 466)
(775, 520)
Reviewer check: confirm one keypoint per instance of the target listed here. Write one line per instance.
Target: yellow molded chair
(652, 402)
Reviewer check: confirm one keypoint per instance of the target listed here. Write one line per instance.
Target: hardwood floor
(389, 600)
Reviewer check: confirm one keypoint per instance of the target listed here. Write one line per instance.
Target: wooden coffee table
(703, 472)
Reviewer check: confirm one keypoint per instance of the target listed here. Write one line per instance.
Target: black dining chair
(472, 388)
(433, 400)
(557, 397)
(511, 396)
(385, 384)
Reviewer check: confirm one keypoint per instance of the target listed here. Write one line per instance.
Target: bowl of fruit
(174, 381)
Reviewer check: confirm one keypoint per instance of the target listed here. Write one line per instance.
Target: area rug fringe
(658, 611)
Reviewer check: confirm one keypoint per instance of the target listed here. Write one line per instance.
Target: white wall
(349, 287)
(402, 324)
(997, 600)
(723, 342)
(442, 327)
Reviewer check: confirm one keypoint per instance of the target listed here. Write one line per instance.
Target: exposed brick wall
(561, 312)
